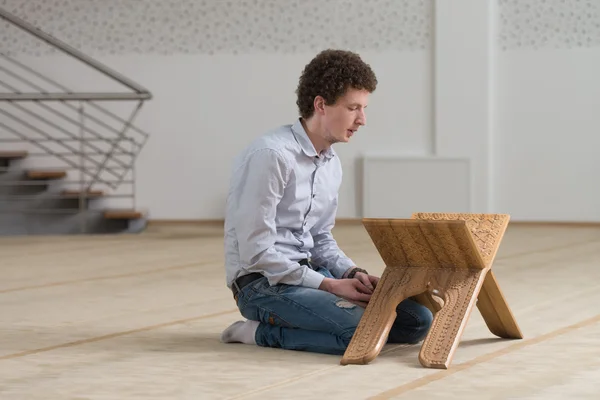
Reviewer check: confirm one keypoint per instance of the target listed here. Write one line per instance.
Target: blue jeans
(306, 319)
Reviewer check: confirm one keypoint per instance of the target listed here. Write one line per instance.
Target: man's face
(342, 119)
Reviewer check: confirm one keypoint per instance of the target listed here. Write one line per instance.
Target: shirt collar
(307, 147)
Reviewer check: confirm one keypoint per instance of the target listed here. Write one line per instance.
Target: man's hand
(369, 281)
(350, 289)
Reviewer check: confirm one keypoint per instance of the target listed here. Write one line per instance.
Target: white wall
(547, 134)
(525, 77)
(232, 99)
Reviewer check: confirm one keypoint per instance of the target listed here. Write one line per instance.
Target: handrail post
(82, 198)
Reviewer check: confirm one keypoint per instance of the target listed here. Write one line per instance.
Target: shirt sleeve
(261, 188)
(326, 251)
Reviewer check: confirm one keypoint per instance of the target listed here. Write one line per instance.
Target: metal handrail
(57, 127)
(71, 96)
(32, 141)
(59, 140)
(66, 89)
(29, 182)
(52, 110)
(142, 93)
(58, 196)
(113, 147)
(66, 211)
(41, 132)
(54, 131)
(85, 153)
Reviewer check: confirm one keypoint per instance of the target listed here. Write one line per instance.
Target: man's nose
(362, 118)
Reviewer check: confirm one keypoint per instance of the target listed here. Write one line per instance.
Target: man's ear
(319, 104)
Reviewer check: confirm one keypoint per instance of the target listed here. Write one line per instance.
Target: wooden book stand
(452, 253)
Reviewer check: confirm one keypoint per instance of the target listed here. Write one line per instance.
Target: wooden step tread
(13, 155)
(46, 174)
(123, 214)
(77, 193)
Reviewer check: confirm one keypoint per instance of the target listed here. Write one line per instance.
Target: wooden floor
(139, 317)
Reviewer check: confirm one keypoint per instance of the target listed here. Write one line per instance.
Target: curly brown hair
(330, 74)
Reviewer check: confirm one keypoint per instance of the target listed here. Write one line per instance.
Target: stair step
(123, 214)
(77, 193)
(13, 155)
(46, 174)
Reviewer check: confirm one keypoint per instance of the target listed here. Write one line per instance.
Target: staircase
(67, 158)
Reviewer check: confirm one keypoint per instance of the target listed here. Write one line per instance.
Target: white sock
(240, 332)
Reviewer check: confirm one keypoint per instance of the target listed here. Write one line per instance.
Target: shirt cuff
(312, 279)
(341, 266)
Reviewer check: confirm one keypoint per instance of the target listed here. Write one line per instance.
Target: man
(290, 279)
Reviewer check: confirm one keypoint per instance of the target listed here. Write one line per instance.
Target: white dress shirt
(280, 209)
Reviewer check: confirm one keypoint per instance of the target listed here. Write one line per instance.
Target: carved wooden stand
(452, 253)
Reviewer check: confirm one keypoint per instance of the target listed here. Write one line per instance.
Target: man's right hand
(349, 289)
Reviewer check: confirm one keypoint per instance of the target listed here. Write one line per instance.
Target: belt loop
(236, 292)
(236, 285)
(310, 264)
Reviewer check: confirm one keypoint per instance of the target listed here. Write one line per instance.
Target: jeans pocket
(269, 317)
(259, 300)
(248, 296)
(245, 295)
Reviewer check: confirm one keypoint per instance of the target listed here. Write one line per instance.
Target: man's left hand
(369, 281)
